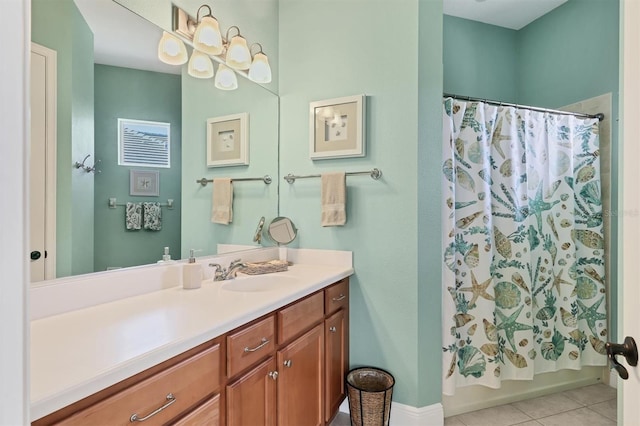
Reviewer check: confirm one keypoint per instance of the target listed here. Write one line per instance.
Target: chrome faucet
(222, 274)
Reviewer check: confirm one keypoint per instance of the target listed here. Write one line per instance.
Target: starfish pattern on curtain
(523, 245)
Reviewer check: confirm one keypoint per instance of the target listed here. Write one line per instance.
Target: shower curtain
(523, 246)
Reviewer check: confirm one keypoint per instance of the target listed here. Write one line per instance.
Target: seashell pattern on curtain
(523, 246)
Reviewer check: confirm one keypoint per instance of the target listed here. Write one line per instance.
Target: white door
(629, 213)
(42, 163)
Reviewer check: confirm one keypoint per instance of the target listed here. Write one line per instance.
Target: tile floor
(593, 405)
(588, 406)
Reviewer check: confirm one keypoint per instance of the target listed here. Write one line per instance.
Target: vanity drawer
(299, 317)
(185, 384)
(336, 296)
(208, 413)
(249, 345)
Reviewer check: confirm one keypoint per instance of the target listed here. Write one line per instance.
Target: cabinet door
(251, 400)
(336, 361)
(300, 390)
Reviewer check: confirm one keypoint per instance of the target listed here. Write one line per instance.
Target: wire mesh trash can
(369, 391)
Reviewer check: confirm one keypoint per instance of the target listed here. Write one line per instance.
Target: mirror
(91, 236)
(282, 230)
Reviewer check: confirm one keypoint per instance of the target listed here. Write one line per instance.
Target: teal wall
(480, 60)
(429, 160)
(391, 319)
(58, 25)
(137, 95)
(251, 200)
(576, 48)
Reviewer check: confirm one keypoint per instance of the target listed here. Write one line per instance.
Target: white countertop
(78, 353)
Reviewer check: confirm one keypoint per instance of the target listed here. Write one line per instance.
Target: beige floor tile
(453, 421)
(547, 405)
(529, 423)
(593, 394)
(609, 409)
(504, 415)
(579, 417)
(341, 419)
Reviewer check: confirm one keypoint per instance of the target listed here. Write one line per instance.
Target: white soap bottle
(191, 273)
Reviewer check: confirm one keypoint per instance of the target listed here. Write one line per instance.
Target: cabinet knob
(287, 363)
(273, 375)
(332, 329)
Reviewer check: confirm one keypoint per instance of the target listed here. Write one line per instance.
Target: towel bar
(266, 179)
(113, 203)
(375, 175)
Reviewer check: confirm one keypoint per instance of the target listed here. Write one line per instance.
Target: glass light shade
(200, 65)
(238, 55)
(260, 71)
(171, 50)
(207, 37)
(225, 78)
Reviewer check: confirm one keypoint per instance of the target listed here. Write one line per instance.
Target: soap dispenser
(192, 273)
(166, 257)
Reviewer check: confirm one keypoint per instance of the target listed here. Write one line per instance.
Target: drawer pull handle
(332, 329)
(170, 400)
(339, 298)
(287, 363)
(263, 343)
(273, 375)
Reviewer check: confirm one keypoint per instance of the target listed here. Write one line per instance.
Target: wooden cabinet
(285, 368)
(159, 395)
(251, 400)
(300, 383)
(336, 338)
(208, 413)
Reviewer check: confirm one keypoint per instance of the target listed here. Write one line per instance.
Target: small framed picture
(145, 183)
(336, 128)
(228, 140)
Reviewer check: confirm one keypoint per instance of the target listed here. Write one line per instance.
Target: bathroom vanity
(231, 352)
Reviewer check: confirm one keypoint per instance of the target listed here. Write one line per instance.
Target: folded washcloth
(333, 199)
(267, 267)
(222, 209)
(133, 216)
(152, 216)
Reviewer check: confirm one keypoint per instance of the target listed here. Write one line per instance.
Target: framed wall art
(144, 183)
(337, 128)
(228, 140)
(144, 143)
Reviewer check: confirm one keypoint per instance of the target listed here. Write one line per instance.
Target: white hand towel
(222, 210)
(334, 199)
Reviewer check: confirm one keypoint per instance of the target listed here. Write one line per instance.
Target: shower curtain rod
(599, 116)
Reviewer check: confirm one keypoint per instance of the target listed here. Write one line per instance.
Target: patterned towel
(133, 216)
(152, 216)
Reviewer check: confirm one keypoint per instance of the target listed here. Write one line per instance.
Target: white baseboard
(406, 415)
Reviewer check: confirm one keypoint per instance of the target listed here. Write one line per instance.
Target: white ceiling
(513, 14)
(122, 38)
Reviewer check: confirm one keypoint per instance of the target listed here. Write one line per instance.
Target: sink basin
(258, 283)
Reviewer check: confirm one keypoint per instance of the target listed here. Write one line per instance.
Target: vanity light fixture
(225, 78)
(207, 37)
(232, 53)
(260, 71)
(238, 56)
(171, 50)
(200, 65)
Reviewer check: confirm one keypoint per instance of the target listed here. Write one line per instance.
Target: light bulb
(207, 37)
(225, 78)
(200, 65)
(238, 55)
(171, 50)
(260, 71)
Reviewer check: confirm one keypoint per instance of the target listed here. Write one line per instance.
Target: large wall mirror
(123, 79)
